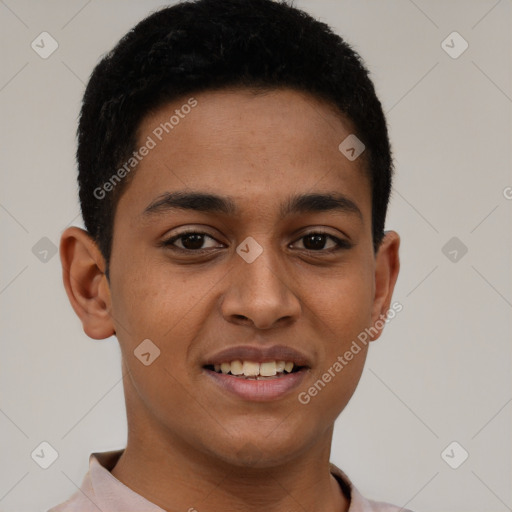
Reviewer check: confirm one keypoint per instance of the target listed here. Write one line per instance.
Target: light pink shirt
(102, 492)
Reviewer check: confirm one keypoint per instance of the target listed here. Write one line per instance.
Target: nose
(261, 294)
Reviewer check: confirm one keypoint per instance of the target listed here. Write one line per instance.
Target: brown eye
(314, 242)
(190, 241)
(323, 242)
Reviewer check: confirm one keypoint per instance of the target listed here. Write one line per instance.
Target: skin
(190, 444)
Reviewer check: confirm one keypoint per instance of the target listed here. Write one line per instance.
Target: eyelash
(341, 244)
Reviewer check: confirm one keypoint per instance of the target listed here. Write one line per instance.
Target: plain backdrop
(441, 373)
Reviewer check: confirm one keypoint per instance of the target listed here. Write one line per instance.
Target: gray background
(442, 370)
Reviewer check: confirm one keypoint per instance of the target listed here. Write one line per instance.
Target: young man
(234, 172)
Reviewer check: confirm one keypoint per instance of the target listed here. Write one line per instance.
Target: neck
(176, 474)
(178, 477)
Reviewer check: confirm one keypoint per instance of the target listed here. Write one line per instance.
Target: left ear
(387, 266)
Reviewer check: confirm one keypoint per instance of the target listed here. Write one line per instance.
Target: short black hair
(203, 45)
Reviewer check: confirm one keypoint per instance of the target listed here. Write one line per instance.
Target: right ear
(87, 287)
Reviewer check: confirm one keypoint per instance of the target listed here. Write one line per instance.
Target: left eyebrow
(215, 204)
(315, 202)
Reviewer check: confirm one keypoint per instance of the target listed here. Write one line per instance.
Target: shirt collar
(111, 495)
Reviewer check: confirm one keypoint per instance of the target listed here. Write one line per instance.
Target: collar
(101, 490)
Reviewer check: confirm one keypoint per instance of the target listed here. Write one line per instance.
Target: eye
(316, 241)
(193, 241)
(190, 241)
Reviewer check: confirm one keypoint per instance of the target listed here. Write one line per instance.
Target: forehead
(255, 147)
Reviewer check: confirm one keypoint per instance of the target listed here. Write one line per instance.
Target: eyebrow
(215, 204)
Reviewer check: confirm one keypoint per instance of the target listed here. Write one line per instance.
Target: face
(244, 235)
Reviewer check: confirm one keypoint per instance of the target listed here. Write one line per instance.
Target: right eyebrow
(215, 204)
(198, 201)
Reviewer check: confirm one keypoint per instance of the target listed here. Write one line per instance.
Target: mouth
(252, 370)
(256, 373)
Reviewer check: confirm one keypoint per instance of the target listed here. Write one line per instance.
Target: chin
(259, 450)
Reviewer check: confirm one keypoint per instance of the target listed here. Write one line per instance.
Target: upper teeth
(253, 369)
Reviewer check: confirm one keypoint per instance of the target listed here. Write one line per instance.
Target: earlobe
(387, 266)
(86, 285)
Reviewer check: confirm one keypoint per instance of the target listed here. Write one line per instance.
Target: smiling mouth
(252, 370)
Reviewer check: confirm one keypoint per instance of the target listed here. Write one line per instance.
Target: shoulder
(97, 480)
(76, 503)
(358, 503)
(81, 501)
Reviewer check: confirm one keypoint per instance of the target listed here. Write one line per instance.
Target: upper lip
(259, 355)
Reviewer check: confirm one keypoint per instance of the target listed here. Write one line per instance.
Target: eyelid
(341, 243)
(169, 242)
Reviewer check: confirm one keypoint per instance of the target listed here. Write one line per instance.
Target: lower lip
(258, 390)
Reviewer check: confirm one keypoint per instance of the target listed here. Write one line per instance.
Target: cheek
(343, 304)
(154, 302)
(159, 308)
(343, 312)
(151, 301)
(332, 388)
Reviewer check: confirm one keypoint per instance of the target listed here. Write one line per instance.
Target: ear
(387, 266)
(83, 273)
